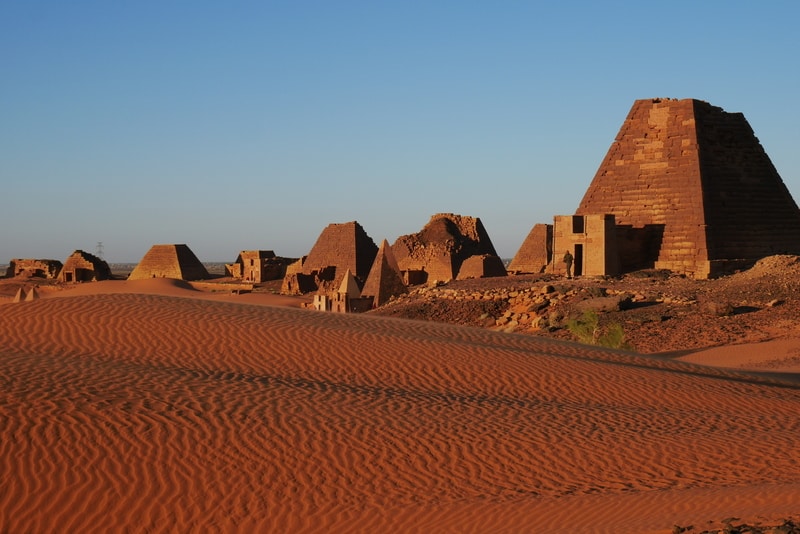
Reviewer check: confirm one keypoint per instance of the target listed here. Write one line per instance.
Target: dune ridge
(154, 412)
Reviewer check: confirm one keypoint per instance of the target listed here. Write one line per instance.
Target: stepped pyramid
(169, 261)
(384, 280)
(692, 190)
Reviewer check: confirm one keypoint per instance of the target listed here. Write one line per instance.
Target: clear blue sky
(252, 125)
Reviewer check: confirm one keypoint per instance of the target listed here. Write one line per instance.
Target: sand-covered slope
(160, 413)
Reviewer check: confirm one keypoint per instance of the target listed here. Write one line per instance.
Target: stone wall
(592, 241)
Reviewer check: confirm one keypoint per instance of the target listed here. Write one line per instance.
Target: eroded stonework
(34, 268)
(82, 266)
(437, 252)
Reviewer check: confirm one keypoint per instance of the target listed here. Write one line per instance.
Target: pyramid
(169, 261)
(481, 266)
(442, 245)
(349, 286)
(20, 296)
(692, 190)
(384, 280)
(344, 246)
(535, 252)
(32, 295)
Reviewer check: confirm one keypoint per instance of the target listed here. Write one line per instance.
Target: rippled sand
(149, 409)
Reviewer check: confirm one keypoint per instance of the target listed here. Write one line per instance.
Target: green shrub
(587, 330)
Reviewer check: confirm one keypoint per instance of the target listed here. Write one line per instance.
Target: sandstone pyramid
(442, 245)
(692, 190)
(344, 246)
(535, 252)
(340, 246)
(481, 266)
(384, 280)
(169, 261)
(349, 286)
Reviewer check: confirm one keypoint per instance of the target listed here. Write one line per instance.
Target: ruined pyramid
(442, 245)
(692, 190)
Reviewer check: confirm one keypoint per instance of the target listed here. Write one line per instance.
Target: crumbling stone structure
(692, 190)
(82, 266)
(384, 280)
(340, 246)
(437, 252)
(169, 261)
(31, 268)
(258, 266)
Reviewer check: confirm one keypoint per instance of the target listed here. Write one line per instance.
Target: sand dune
(156, 412)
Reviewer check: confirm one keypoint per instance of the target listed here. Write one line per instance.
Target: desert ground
(150, 406)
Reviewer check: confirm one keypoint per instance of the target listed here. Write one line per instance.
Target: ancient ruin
(258, 266)
(31, 268)
(169, 261)
(686, 187)
(81, 266)
(384, 280)
(340, 246)
(437, 252)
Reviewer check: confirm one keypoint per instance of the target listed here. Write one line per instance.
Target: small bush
(587, 330)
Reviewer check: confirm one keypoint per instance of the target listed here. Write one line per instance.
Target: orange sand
(157, 408)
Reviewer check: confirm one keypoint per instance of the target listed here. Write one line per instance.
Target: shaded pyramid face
(169, 261)
(693, 191)
(384, 280)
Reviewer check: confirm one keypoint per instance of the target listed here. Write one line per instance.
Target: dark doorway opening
(578, 260)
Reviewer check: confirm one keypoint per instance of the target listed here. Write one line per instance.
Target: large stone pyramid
(169, 261)
(344, 246)
(340, 246)
(692, 190)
